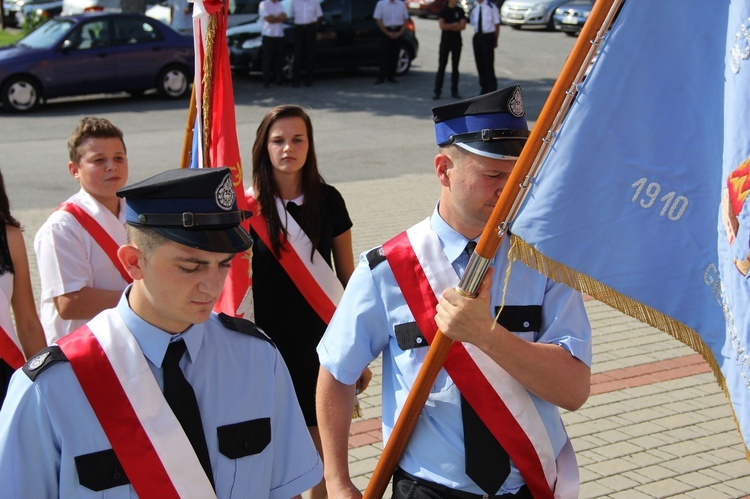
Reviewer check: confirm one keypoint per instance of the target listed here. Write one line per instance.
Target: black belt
(307, 25)
(447, 492)
(393, 28)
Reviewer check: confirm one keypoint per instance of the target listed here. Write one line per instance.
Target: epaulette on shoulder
(40, 362)
(244, 326)
(375, 257)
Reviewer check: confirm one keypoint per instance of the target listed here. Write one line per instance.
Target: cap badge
(225, 193)
(38, 361)
(515, 103)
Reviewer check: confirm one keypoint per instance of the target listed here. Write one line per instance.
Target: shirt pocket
(101, 475)
(523, 320)
(410, 355)
(243, 467)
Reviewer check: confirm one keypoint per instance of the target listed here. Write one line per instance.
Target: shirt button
(525, 323)
(419, 340)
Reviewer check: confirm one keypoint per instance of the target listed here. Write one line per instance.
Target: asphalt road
(362, 131)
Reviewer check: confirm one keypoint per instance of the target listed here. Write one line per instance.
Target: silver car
(518, 13)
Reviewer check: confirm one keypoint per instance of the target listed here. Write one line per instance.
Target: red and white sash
(500, 401)
(149, 442)
(99, 234)
(10, 350)
(314, 279)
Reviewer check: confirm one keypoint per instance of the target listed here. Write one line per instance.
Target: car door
(329, 41)
(141, 51)
(86, 64)
(365, 45)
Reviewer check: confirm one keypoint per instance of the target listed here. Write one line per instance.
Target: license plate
(414, 5)
(516, 16)
(570, 20)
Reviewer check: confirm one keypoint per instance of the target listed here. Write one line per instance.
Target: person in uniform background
(273, 14)
(300, 218)
(485, 18)
(391, 17)
(306, 14)
(452, 21)
(76, 248)
(466, 442)
(182, 16)
(161, 397)
(26, 338)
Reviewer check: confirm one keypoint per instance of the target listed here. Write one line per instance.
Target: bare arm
(537, 366)
(343, 256)
(30, 332)
(85, 303)
(334, 401)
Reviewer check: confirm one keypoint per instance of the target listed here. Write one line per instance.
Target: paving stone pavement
(656, 425)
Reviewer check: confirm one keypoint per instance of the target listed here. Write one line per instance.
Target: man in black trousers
(452, 21)
(485, 18)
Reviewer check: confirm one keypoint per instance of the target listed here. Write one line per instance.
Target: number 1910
(648, 193)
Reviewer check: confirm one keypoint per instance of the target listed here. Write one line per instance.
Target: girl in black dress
(285, 171)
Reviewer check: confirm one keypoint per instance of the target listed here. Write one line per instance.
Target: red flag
(215, 128)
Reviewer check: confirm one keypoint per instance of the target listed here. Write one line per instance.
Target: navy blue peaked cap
(491, 125)
(195, 207)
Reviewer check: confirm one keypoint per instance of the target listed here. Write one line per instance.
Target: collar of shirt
(154, 341)
(95, 206)
(452, 242)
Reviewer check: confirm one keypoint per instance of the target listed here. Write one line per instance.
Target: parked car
(569, 17)
(42, 9)
(426, 8)
(95, 53)
(348, 38)
(533, 13)
(240, 12)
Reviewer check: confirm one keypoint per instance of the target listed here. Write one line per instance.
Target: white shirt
(306, 11)
(69, 259)
(182, 21)
(271, 8)
(392, 13)
(490, 17)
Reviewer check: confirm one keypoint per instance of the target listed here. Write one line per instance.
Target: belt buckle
(188, 219)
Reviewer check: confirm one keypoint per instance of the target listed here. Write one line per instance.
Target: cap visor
(496, 149)
(233, 240)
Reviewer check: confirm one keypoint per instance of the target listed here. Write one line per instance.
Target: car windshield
(47, 35)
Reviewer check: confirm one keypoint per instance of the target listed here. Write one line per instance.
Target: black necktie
(479, 23)
(487, 463)
(293, 209)
(181, 398)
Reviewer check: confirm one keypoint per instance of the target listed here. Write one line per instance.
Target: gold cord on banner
(522, 251)
(207, 83)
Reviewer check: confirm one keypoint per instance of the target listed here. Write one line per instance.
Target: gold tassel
(520, 250)
(207, 83)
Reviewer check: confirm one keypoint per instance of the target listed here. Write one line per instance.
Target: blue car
(95, 53)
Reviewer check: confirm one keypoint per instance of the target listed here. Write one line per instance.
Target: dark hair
(265, 187)
(98, 128)
(5, 215)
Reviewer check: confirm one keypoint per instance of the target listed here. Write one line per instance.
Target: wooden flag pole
(488, 245)
(187, 145)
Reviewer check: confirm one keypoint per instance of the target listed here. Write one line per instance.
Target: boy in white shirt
(77, 245)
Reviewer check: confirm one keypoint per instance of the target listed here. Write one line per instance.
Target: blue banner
(643, 190)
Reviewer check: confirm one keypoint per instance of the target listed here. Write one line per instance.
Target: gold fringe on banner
(207, 84)
(522, 251)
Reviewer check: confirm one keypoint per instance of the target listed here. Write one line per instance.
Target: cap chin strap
(189, 219)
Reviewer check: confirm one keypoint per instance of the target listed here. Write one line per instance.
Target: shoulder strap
(100, 235)
(244, 326)
(40, 362)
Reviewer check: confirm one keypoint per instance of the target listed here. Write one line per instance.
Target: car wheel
(173, 82)
(21, 94)
(403, 63)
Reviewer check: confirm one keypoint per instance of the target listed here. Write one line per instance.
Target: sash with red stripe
(421, 298)
(102, 238)
(315, 280)
(9, 351)
(123, 393)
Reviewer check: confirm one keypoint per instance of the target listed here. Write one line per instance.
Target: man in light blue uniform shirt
(543, 339)
(183, 232)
